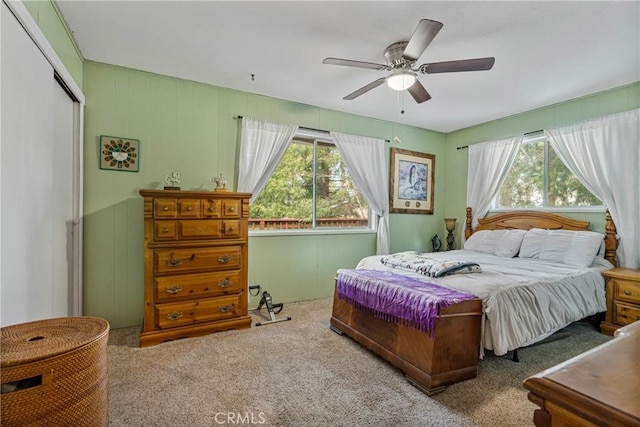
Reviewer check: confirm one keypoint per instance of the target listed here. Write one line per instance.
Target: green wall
(48, 18)
(599, 104)
(192, 128)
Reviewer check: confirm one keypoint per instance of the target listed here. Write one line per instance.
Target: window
(539, 179)
(310, 189)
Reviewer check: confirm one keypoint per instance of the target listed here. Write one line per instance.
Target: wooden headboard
(526, 220)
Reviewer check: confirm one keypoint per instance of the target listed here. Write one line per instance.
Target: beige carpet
(300, 373)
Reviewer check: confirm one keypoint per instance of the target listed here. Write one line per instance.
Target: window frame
(531, 139)
(317, 138)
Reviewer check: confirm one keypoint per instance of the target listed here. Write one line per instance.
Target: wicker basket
(54, 372)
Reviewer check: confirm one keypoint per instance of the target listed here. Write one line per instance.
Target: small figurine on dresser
(173, 179)
(221, 183)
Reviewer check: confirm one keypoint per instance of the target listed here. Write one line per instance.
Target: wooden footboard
(429, 364)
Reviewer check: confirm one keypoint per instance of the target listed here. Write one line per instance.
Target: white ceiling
(546, 51)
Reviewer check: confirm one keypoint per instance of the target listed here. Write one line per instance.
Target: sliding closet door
(62, 218)
(35, 185)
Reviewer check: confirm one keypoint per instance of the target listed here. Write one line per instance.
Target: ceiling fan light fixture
(401, 80)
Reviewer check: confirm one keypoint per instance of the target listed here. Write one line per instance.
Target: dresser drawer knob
(232, 209)
(173, 262)
(189, 209)
(627, 292)
(231, 229)
(174, 315)
(165, 230)
(224, 259)
(174, 289)
(165, 208)
(210, 208)
(224, 283)
(225, 308)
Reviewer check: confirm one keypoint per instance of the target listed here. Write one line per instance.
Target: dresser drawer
(198, 311)
(627, 290)
(626, 314)
(232, 208)
(165, 230)
(197, 285)
(189, 208)
(231, 229)
(199, 229)
(165, 208)
(197, 259)
(212, 208)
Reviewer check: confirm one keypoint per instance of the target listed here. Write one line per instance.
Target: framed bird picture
(411, 176)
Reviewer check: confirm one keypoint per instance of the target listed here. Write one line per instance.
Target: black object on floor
(272, 308)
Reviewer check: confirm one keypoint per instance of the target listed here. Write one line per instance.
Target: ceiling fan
(401, 58)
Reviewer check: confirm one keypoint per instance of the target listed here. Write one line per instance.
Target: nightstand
(623, 298)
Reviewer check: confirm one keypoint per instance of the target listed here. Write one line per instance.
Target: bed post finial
(610, 239)
(467, 224)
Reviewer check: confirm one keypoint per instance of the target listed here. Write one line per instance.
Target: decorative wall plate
(121, 154)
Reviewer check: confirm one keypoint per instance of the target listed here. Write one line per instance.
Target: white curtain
(262, 146)
(489, 163)
(604, 154)
(365, 158)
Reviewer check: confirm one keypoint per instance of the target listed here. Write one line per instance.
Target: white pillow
(577, 248)
(502, 243)
(532, 243)
(584, 248)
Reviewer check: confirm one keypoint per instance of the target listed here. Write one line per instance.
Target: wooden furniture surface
(623, 299)
(598, 388)
(195, 263)
(54, 372)
(428, 363)
(452, 354)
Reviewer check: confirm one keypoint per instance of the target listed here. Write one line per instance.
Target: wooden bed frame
(453, 353)
(526, 220)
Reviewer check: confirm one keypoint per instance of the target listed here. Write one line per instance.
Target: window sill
(273, 233)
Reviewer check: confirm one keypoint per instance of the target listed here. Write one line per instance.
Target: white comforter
(524, 300)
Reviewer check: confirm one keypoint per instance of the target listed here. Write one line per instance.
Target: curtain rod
(533, 132)
(312, 129)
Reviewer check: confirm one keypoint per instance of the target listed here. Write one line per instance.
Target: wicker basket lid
(32, 341)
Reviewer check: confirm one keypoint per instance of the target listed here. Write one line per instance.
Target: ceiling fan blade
(477, 64)
(419, 93)
(365, 89)
(352, 63)
(423, 35)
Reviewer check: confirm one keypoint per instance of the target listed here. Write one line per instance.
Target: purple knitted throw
(400, 299)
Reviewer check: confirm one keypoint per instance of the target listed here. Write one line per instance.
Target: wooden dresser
(600, 387)
(623, 298)
(195, 263)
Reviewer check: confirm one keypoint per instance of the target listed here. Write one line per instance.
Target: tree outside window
(539, 179)
(310, 189)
